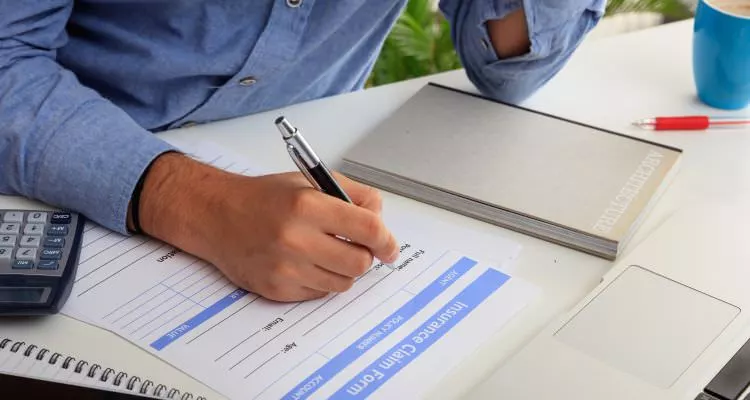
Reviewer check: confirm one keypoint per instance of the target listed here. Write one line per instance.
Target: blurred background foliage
(671, 9)
(420, 42)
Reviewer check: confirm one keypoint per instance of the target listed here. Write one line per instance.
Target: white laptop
(669, 321)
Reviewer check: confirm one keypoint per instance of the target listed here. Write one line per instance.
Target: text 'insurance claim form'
(394, 334)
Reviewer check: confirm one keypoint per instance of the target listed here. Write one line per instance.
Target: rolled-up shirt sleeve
(61, 142)
(555, 28)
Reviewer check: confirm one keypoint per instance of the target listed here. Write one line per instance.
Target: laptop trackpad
(647, 325)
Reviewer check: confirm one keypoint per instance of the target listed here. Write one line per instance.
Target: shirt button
(293, 3)
(248, 81)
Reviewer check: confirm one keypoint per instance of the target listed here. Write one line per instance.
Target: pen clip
(294, 154)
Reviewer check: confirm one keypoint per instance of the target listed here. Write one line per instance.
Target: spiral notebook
(31, 361)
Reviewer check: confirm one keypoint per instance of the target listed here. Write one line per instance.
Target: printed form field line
(357, 320)
(110, 261)
(149, 333)
(198, 319)
(121, 240)
(163, 290)
(95, 239)
(225, 318)
(347, 304)
(263, 364)
(144, 324)
(108, 277)
(152, 287)
(277, 335)
(166, 288)
(152, 308)
(224, 286)
(294, 307)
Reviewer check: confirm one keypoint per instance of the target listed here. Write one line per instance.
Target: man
(84, 84)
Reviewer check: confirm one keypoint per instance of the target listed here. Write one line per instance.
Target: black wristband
(135, 200)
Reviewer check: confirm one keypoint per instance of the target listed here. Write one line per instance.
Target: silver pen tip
(646, 123)
(286, 128)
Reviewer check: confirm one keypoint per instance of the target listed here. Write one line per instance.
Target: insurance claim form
(394, 334)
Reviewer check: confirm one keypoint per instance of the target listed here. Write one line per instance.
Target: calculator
(38, 259)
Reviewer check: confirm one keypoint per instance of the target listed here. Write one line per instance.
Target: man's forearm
(61, 142)
(510, 35)
(177, 194)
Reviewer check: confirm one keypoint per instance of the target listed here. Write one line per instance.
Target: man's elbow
(497, 83)
(515, 75)
(510, 92)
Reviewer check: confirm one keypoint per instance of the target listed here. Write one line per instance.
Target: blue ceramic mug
(721, 53)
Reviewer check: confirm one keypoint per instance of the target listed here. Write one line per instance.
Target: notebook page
(395, 331)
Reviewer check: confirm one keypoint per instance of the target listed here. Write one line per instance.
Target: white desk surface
(608, 83)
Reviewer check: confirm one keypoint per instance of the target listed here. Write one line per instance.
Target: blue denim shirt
(84, 84)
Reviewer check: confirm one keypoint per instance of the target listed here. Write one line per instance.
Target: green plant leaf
(445, 56)
(412, 39)
(420, 42)
(420, 11)
(674, 9)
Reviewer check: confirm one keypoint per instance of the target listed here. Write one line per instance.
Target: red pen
(692, 123)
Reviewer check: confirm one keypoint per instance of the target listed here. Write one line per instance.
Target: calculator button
(57, 230)
(13, 216)
(55, 242)
(5, 253)
(50, 254)
(30, 241)
(33, 229)
(61, 218)
(37, 217)
(25, 253)
(23, 264)
(47, 264)
(8, 240)
(10, 228)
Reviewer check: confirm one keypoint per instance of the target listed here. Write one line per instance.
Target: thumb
(362, 195)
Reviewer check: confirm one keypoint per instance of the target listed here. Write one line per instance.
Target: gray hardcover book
(558, 180)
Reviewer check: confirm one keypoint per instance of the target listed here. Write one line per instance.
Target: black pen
(308, 162)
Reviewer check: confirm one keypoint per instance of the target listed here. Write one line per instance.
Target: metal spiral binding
(67, 362)
(92, 371)
(134, 383)
(105, 375)
(29, 349)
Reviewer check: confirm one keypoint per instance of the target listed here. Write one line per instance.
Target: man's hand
(273, 235)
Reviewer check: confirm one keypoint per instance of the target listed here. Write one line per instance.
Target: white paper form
(395, 332)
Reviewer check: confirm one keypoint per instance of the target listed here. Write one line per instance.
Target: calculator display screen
(21, 294)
